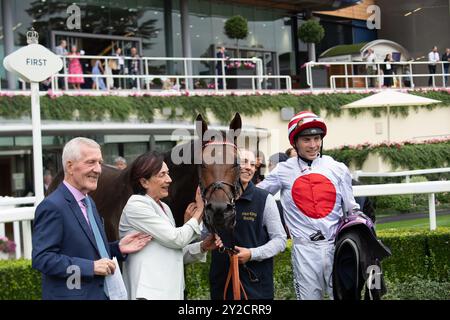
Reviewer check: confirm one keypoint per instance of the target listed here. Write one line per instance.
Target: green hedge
(18, 281)
(96, 108)
(418, 256)
(433, 154)
(417, 253)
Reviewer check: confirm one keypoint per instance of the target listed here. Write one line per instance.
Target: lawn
(441, 221)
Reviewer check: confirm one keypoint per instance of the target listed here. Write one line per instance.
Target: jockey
(314, 191)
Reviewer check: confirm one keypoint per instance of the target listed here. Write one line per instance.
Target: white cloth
(157, 271)
(277, 235)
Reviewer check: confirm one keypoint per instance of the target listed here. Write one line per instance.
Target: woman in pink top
(75, 68)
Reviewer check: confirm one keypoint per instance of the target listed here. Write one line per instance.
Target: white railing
(359, 173)
(186, 72)
(399, 189)
(411, 75)
(256, 79)
(379, 77)
(19, 217)
(25, 215)
(429, 187)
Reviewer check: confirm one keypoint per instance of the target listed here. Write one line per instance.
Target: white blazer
(157, 271)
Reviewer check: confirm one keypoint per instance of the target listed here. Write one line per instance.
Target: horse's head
(219, 175)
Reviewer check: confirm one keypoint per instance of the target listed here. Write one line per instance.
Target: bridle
(232, 194)
(234, 189)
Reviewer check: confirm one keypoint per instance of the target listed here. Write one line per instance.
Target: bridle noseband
(231, 194)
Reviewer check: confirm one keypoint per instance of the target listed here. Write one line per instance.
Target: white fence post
(17, 239)
(432, 211)
(27, 243)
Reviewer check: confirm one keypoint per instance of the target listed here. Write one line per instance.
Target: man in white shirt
(433, 57)
(315, 189)
(371, 67)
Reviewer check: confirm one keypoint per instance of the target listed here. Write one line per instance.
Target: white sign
(18, 181)
(33, 63)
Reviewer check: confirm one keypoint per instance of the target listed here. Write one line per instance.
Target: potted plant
(311, 32)
(157, 83)
(245, 68)
(6, 248)
(236, 28)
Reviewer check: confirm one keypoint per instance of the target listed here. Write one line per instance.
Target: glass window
(132, 150)
(110, 151)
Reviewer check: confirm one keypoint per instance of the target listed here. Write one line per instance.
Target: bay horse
(218, 180)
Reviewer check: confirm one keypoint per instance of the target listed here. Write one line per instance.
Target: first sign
(33, 63)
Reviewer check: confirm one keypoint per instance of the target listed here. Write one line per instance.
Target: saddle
(357, 260)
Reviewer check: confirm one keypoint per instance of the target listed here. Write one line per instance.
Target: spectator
(117, 67)
(62, 51)
(157, 273)
(134, 67)
(220, 55)
(258, 236)
(273, 162)
(68, 236)
(446, 63)
(168, 84)
(120, 163)
(407, 77)
(433, 58)
(291, 152)
(48, 178)
(365, 203)
(387, 70)
(275, 159)
(75, 68)
(97, 69)
(371, 66)
(260, 167)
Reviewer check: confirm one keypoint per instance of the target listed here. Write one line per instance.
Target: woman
(75, 68)
(387, 70)
(97, 69)
(157, 271)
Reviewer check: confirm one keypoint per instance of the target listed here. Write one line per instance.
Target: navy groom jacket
(62, 238)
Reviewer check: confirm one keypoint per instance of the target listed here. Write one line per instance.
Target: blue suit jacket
(63, 238)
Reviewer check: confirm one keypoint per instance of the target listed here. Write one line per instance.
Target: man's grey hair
(72, 148)
(120, 159)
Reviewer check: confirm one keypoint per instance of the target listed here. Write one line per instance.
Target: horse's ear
(200, 126)
(236, 124)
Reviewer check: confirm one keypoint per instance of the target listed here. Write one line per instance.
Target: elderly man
(68, 237)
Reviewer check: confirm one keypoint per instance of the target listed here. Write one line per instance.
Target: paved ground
(411, 216)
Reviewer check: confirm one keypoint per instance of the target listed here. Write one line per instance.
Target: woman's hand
(190, 210)
(195, 209)
(199, 200)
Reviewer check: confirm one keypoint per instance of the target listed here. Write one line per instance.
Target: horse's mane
(184, 182)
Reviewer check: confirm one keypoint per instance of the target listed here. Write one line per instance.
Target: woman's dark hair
(145, 166)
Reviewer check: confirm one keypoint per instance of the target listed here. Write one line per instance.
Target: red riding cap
(306, 120)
